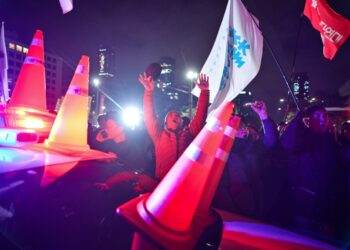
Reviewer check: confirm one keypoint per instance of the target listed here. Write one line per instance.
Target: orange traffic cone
(217, 169)
(69, 130)
(166, 216)
(30, 88)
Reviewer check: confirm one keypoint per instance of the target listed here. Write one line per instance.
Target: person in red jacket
(172, 140)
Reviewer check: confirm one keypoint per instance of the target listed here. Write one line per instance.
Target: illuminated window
(19, 48)
(25, 50)
(11, 45)
(102, 62)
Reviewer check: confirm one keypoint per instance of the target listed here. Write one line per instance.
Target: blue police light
(17, 137)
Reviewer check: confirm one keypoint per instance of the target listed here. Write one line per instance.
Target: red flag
(334, 28)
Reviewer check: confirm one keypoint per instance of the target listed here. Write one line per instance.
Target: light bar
(17, 137)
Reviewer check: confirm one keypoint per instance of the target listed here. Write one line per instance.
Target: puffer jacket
(168, 144)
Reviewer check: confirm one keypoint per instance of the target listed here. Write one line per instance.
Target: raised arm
(269, 127)
(152, 124)
(198, 120)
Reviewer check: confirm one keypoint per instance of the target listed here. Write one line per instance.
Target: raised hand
(259, 107)
(146, 81)
(202, 82)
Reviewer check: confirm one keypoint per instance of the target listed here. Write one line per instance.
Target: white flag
(66, 5)
(235, 57)
(4, 91)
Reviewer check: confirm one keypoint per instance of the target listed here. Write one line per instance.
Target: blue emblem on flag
(236, 52)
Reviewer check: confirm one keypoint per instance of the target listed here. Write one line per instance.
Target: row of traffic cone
(69, 129)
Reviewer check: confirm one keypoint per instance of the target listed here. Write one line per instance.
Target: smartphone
(247, 104)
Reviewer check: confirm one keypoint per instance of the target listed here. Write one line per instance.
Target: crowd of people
(294, 175)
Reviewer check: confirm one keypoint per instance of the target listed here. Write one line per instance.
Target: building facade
(106, 68)
(167, 75)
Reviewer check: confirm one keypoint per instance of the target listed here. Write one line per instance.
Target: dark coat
(316, 176)
(246, 166)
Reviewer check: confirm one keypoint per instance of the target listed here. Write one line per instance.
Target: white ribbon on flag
(235, 57)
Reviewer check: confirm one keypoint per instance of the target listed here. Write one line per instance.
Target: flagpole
(276, 61)
(296, 46)
(293, 62)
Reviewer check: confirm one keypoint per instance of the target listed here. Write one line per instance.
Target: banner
(334, 28)
(235, 57)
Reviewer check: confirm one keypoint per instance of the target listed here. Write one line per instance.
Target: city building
(106, 62)
(167, 75)
(166, 80)
(102, 77)
(106, 72)
(175, 96)
(301, 87)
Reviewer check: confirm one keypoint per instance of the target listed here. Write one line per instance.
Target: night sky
(143, 31)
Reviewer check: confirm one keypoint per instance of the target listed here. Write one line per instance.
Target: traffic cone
(166, 216)
(217, 169)
(69, 130)
(30, 88)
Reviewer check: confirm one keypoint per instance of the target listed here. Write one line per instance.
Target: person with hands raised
(172, 139)
(170, 142)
